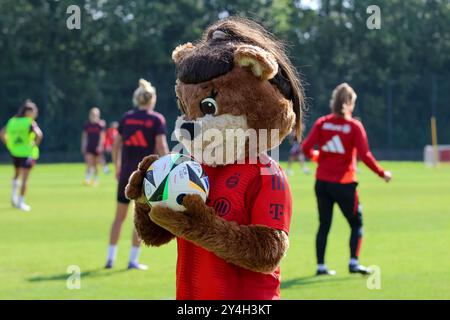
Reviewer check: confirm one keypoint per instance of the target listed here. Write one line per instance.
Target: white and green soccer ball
(173, 176)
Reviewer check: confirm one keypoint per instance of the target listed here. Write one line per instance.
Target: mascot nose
(190, 130)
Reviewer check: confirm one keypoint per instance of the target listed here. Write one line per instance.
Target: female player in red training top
(110, 136)
(92, 140)
(340, 139)
(141, 132)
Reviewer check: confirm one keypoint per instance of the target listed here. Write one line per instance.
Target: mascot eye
(209, 106)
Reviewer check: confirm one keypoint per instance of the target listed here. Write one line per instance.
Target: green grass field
(407, 234)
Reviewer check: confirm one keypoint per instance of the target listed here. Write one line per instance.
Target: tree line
(401, 71)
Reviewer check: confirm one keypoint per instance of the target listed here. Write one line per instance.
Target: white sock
(21, 199)
(134, 254)
(112, 252)
(15, 187)
(321, 267)
(353, 262)
(88, 175)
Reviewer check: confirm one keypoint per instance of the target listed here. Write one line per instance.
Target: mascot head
(238, 93)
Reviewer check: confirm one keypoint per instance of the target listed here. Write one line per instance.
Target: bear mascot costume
(238, 78)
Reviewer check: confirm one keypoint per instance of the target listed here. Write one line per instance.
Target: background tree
(395, 70)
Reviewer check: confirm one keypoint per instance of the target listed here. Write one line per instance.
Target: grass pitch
(407, 235)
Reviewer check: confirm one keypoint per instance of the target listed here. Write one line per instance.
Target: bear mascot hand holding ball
(239, 97)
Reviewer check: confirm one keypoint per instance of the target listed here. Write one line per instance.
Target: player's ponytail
(144, 94)
(342, 94)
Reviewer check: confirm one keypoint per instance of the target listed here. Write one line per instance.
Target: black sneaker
(109, 264)
(325, 272)
(357, 268)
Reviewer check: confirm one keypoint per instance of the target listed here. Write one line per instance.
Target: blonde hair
(144, 94)
(342, 94)
(92, 111)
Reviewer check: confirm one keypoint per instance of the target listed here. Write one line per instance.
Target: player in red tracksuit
(340, 139)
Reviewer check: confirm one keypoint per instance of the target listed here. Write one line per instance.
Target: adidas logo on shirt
(137, 140)
(334, 145)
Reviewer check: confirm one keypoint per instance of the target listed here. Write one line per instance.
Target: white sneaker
(23, 206)
(137, 266)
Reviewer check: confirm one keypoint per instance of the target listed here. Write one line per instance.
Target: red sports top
(238, 192)
(339, 140)
(110, 135)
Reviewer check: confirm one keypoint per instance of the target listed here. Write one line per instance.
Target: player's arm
(366, 156)
(3, 135)
(161, 146)
(83, 142)
(101, 141)
(311, 140)
(116, 153)
(38, 132)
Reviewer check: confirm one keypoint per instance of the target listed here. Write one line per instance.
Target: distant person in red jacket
(340, 139)
(110, 134)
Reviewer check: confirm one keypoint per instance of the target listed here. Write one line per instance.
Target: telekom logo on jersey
(344, 128)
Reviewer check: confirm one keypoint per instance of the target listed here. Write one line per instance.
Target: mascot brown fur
(236, 77)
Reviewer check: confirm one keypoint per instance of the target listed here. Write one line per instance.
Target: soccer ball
(173, 176)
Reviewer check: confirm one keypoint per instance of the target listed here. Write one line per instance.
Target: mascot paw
(197, 214)
(151, 233)
(134, 190)
(197, 210)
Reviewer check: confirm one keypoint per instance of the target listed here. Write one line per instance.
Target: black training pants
(346, 196)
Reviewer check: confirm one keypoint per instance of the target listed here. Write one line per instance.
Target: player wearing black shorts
(22, 136)
(92, 140)
(141, 132)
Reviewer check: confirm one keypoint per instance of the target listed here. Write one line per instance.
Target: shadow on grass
(313, 279)
(100, 272)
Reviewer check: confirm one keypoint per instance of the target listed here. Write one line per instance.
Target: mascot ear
(182, 51)
(262, 63)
